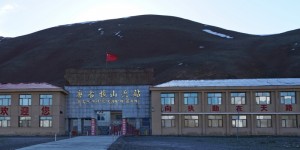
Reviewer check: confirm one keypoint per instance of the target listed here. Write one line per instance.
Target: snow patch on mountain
(88, 22)
(101, 31)
(217, 34)
(118, 34)
(1, 38)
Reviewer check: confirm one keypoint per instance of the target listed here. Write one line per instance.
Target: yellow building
(226, 107)
(32, 109)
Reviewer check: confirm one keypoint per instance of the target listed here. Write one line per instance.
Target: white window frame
(5, 100)
(288, 97)
(46, 99)
(25, 99)
(191, 121)
(214, 98)
(263, 97)
(168, 121)
(167, 98)
(215, 121)
(238, 98)
(239, 121)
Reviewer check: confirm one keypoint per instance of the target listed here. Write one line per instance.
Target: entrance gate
(109, 122)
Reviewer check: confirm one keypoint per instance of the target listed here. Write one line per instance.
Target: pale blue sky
(20, 17)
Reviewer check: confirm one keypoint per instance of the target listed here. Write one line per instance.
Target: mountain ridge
(176, 48)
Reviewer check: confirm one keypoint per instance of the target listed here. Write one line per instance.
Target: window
(215, 121)
(287, 97)
(45, 121)
(167, 98)
(239, 121)
(262, 97)
(25, 100)
(168, 121)
(289, 121)
(190, 98)
(45, 100)
(24, 121)
(264, 121)
(191, 121)
(5, 100)
(214, 98)
(238, 98)
(4, 121)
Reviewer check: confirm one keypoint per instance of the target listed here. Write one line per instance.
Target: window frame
(48, 99)
(235, 95)
(167, 120)
(26, 119)
(236, 119)
(283, 100)
(191, 121)
(214, 99)
(263, 95)
(215, 119)
(168, 97)
(261, 119)
(190, 97)
(5, 98)
(28, 99)
(290, 118)
(45, 119)
(5, 120)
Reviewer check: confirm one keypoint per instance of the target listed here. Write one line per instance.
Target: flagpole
(110, 58)
(106, 61)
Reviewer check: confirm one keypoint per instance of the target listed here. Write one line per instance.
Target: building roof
(109, 76)
(30, 87)
(232, 82)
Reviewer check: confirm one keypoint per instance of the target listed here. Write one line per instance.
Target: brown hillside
(175, 48)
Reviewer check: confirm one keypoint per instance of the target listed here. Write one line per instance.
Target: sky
(260, 17)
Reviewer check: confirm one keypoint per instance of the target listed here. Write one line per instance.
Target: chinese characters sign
(167, 108)
(24, 111)
(190, 108)
(288, 107)
(239, 108)
(45, 110)
(215, 108)
(4, 111)
(108, 96)
(264, 107)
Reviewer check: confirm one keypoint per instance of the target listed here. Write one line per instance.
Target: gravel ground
(15, 142)
(205, 143)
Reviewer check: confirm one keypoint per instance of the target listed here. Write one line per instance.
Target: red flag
(111, 57)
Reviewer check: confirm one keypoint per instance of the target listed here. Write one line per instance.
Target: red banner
(93, 127)
(123, 126)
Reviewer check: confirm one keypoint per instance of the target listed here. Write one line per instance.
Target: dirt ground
(15, 142)
(205, 143)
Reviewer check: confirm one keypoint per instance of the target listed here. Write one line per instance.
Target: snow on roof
(10, 86)
(232, 82)
(217, 34)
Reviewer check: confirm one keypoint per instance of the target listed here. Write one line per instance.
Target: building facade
(226, 107)
(32, 109)
(108, 101)
(101, 110)
(183, 107)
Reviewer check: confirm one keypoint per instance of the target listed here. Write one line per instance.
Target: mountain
(175, 48)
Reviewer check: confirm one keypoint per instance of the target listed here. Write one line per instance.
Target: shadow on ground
(15, 142)
(204, 143)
